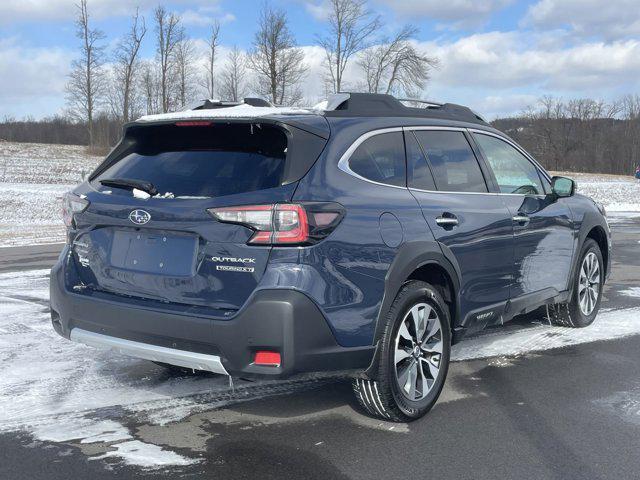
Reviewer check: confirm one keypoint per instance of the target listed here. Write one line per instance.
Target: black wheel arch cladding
(411, 257)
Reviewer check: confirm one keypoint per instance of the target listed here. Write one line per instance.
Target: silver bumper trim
(182, 358)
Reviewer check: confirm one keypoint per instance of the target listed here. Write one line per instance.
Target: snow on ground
(618, 193)
(609, 325)
(59, 391)
(31, 213)
(631, 292)
(33, 178)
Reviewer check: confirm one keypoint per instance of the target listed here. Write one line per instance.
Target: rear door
(468, 221)
(543, 226)
(168, 246)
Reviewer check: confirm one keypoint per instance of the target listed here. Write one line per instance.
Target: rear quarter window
(381, 159)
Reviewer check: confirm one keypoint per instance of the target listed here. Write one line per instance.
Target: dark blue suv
(364, 237)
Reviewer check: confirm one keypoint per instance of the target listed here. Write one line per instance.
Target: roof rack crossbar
(419, 100)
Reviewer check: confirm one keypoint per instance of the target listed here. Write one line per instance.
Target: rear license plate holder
(160, 253)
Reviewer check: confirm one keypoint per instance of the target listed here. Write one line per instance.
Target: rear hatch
(148, 232)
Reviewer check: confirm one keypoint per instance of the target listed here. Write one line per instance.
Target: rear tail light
(72, 204)
(284, 223)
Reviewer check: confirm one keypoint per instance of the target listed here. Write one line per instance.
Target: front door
(473, 225)
(543, 226)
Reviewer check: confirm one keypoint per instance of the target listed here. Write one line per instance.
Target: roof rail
(257, 102)
(333, 101)
(383, 105)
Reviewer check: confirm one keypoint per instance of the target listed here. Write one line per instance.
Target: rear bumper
(283, 320)
(183, 358)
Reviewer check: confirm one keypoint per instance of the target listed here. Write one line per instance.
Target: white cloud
(30, 10)
(611, 19)
(32, 80)
(462, 11)
(508, 60)
(500, 105)
(498, 73)
(202, 17)
(319, 10)
(33, 10)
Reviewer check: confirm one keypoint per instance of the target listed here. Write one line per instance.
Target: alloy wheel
(589, 283)
(418, 351)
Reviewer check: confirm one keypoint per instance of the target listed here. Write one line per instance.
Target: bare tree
(579, 135)
(169, 33)
(127, 67)
(209, 76)
(233, 79)
(351, 26)
(150, 86)
(275, 58)
(395, 66)
(86, 86)
(185, 71)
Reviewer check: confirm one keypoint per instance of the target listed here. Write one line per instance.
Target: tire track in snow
(56, 389)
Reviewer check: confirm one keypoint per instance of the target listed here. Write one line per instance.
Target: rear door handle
(521, 219)
(448, 221)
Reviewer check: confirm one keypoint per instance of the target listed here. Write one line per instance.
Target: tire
(576, 313)
(392, 395)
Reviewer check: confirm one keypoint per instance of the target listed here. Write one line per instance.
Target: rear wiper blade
(130, 184)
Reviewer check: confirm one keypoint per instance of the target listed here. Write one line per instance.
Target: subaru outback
(364, 236)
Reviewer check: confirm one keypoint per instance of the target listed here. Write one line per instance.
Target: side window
(418, 172)
(381, 159)
(453, 163)
(513, 171)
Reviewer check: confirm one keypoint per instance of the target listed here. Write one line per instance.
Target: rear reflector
(267, 358)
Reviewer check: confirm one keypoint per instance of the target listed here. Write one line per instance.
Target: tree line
(580, 135)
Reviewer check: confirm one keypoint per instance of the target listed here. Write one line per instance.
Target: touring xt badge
(234, 268)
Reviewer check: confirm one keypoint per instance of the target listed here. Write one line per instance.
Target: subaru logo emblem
(139, 217)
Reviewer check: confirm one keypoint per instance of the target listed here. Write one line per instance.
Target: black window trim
(424, 156)
(343, 163)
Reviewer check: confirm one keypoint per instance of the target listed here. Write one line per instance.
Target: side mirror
(563, 187)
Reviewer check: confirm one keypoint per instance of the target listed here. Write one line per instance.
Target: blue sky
(497, 56)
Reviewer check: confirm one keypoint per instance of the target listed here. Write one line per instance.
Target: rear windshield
(201, 161)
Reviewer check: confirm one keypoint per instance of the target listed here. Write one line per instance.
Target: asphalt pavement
(565, 413)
